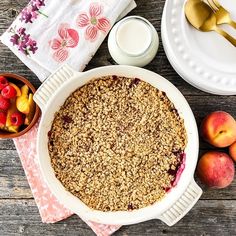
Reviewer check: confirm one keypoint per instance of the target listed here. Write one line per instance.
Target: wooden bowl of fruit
(18, 111)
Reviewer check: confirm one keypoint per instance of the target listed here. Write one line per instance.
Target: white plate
(205, 60)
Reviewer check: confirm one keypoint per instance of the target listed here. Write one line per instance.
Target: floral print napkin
(48, 33)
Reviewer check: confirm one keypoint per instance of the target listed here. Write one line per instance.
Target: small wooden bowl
(20, 81)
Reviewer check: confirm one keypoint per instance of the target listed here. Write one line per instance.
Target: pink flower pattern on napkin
(68, 38)
(94, 22)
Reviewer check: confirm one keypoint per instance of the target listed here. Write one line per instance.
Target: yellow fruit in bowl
(32, 106)
(25, 103)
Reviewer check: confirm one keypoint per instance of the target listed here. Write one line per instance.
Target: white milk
(134, 36)
(133, 41)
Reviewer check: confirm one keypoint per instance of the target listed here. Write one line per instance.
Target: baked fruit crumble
(117, 144)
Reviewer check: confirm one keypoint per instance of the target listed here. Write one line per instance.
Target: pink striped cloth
(50, 209)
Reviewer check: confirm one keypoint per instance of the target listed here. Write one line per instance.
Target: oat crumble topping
(116, 144)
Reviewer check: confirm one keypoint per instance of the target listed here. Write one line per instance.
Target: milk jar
(133, 41)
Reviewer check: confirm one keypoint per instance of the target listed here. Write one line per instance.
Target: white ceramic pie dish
(53, 93)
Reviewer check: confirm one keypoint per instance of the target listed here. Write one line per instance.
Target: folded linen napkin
(45, 35)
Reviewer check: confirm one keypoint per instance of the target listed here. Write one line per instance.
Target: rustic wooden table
(215, 212)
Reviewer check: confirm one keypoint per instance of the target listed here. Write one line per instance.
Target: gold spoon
(201, 17)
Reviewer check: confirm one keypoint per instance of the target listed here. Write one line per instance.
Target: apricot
(216, 169)
(232, 151)
(25, 102)
(219, 129)
(30, 115)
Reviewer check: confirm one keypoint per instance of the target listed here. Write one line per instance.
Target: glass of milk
(133, 41)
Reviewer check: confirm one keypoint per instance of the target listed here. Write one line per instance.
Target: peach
(232, 151)
(216, 169)
(219, 129)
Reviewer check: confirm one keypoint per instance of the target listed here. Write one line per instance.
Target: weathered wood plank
(13, 183)
(20, 217)
(206, 218)
(14, 187)
(7, 144)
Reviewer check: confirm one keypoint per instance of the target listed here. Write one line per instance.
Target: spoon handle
(233, 24)
(226, 35)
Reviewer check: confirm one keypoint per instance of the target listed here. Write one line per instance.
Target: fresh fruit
(11, 116)
(18, 91)
(25, 103)
(3, 118)
(30, 115)
(4, 103)
(3, 82)
(219, 129)
(9, 127)
(17, 119)
(9, 92)
(216, 169)
(232, 151)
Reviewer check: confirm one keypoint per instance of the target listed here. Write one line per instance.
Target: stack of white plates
(205, 60)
